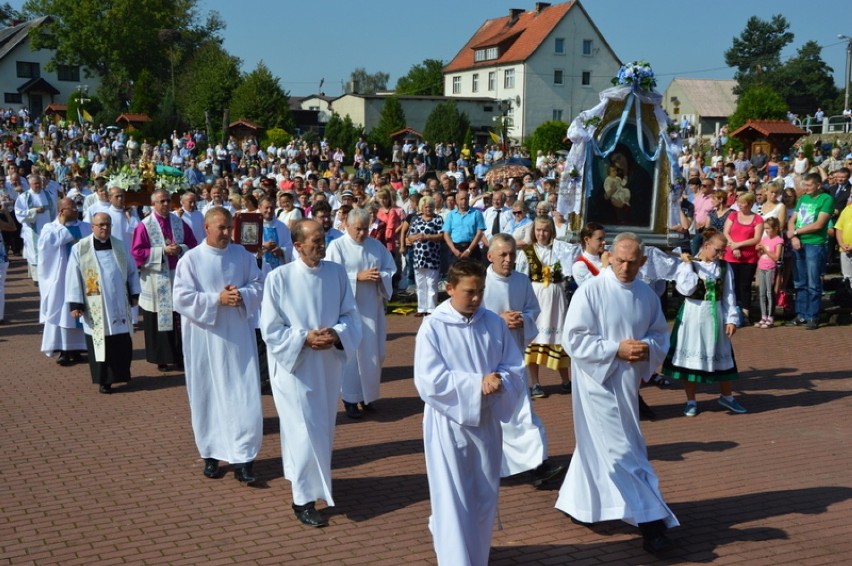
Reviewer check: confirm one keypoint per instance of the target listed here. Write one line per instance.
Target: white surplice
(62, 332)
(610, 477)
(220, 352)
(524, 437)
(363, 373)
(306, 382)
(461, 427)
(32, 222)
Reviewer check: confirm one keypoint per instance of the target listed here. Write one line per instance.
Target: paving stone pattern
(97, 479)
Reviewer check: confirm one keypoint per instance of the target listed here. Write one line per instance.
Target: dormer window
(487, 54)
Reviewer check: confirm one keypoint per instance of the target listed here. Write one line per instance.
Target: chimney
(514, 14)
(539, 6)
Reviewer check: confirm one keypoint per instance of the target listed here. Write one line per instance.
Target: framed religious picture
(248, 228)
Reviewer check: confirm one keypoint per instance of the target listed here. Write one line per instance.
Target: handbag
(783, 301)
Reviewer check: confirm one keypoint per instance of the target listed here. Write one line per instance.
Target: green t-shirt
(807, 211)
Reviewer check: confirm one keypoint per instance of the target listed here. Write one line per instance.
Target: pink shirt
(703, 205)
(740, 233)
(765, 262)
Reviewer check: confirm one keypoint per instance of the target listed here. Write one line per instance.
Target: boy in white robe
(310, 324)
(470, 373)
(62, 332)
(370, 268)
(217, 291)
(615, 333)
(510, 295)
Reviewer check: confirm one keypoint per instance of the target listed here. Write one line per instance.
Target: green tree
(362, 82)
(423, 79)
(759, 102)
(549, 136)
(446, 124)
(261, 99)
(9, 15)
(118, 39)
(205, 86)
(82, 101)
(805, 81)
(342, 133)
(391, 120)
(756, 53)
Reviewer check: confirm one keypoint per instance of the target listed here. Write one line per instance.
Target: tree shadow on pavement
(705, 526)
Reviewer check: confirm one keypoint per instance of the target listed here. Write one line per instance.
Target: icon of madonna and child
(623, 182)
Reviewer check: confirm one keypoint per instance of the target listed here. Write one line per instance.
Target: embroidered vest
(536, 267)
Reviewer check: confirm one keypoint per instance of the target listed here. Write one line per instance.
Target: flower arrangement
(170, 184)
(551, 274)
(636, 74)
(592, 122)
(126, 178)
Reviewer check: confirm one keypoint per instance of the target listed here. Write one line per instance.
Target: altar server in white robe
(62, 332)
(34, 208)
(124, 220)
(370, 268)
(102, 285)
(310, 325)
(510, 295)
(615, 333)
(217, 290)
(470, 373)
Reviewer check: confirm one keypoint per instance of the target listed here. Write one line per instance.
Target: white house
(549, 63)
(706, 103)
(24, 77)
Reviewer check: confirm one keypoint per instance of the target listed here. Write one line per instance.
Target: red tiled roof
(771, 127)
(244, 122)
(517, 41)
(56, 107)
(133, 118)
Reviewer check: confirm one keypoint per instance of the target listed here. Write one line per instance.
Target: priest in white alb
(102, 285)
(311, 327)
(370, 268)
(470, 373)
(510, 294)
(34, 208)
(217, 292)
(615, 334)
(158, 242)
(62, 332)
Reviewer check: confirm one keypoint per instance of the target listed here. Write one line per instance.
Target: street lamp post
(848, 67)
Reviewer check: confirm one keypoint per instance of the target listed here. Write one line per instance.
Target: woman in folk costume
(701, 350)
(540, 263)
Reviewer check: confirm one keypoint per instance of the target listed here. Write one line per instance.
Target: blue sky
(305, 41)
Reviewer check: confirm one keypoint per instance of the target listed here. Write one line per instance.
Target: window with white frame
(474, 83)
(487, 54)
(557, 114)
(457, 85)
(509, 78)
(587, 47)
(492, 80)
(558, 77)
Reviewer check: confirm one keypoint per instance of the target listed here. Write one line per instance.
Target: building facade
(25, 79)
(549, 63)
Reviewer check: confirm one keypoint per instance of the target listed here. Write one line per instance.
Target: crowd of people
(302, 315)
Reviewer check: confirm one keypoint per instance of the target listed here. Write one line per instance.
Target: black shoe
(796, 322)
(64, 359)
(646, 412)
(368, 407)
(244, 475)
(546, 472)
(105, 389)
(308, 515)
(352, 410)
(163, 367)
(658, 545)
(211, 468)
